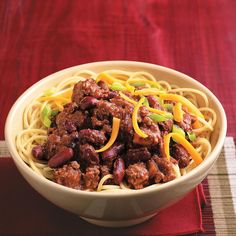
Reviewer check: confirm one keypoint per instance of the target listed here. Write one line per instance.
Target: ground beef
(88, 87)
(165, 167)
(137, 175)
(154, 135)
(69, 175)
(88, 155)
(85, 125)
(91, 177)
(137, 154)
(166, 125)
(67, 122)
(186, 124)
(105, 170)
(179, 153)
(153, 102)
(154, 173)
(106, 110)
(92, 136)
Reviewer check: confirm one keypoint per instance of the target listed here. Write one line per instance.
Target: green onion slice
(146, 103)
(45, 115)
(191, 136)
(117, 86)
(158, 118)
(176, 129)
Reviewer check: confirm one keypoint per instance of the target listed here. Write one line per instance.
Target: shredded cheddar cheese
(183, 101)
(108, 79)
(135, 120)
(114, 134)
(148, 91)
(153, 110)
(181, 140)
(178, 112)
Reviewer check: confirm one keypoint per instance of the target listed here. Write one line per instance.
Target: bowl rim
(152, 188)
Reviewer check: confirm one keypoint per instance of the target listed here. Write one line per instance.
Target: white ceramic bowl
(115, 209)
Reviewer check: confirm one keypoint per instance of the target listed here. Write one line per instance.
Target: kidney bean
(119, 170)
(61, 157)
(112, 152)
(88, 102)
(37, 152)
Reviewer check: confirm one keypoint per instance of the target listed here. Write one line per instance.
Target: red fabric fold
(25, 212)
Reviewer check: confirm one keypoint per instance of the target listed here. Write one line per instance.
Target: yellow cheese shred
(178, 112)
(148, 91)
(153, 110)
(108, 79)
(114, 134)
(135, 120)
(181, 140)
(183, 101)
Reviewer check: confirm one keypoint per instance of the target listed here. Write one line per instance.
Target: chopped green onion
(117, 86)
(168, 107)
(49, 92)
(191, 136)
(161, 102)
(138, 84)
(54, 112)
(146, 103)
(47, 122)
(45, 115)
(169, 116)
(176, 129)
(158, 118)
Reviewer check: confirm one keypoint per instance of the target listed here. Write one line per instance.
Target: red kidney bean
(61, 157)
(119, 170)
(88, 102)
(112, 152)
(37, 152)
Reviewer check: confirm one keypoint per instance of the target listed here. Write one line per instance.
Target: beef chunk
(186, 124)
(154, 172)
(88, 87)
(153, 102)
(137, 175)
(165, 167)
(179, 153)
(137, 154)
(70, 122)
(88, 154)
(91, 177)
(69, 175)
(92, 136)
(154, 135)
(166, 125)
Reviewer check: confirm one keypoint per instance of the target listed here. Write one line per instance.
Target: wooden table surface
(197, 38)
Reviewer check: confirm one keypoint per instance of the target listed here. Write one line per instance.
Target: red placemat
(25, 212)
